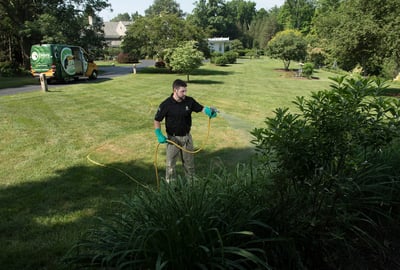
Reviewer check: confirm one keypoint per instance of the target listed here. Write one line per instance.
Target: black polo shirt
(178, 115)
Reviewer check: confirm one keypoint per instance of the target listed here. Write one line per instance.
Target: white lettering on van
(35, 56)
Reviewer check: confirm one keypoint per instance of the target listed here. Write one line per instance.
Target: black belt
(178, 134)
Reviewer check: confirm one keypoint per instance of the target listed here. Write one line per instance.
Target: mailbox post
(43, 82)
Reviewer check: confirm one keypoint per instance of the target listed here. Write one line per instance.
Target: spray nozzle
(214, 110)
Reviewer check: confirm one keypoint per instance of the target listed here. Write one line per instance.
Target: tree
(225, 19)
(164, 6)
(14, 14)
(242, 11)
(185, 58)
(210, 15)
(264, 27)
(151, 35)
(297, 14)
(239, 15)
(361, 32)
(287, 45)
(26, 22)
(122, 17)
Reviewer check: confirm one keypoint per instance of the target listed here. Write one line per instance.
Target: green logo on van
(67, 61)
(35, 56)
(40, 54)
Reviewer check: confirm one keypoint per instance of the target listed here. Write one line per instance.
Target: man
(177, 111)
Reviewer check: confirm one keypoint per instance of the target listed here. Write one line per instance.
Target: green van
(61, 62)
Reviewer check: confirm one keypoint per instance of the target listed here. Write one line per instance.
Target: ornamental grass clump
(204, 224)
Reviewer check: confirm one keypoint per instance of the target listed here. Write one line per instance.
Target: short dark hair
(178, 83)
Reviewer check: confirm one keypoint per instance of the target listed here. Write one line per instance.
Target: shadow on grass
(42, 219)
(204, 82)
(203, 72)
(211, 72)
(98, 80)
(79, 81)
(294, 74)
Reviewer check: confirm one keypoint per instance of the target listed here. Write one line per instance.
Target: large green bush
(333, 191)
(336, 129)
(231, 56)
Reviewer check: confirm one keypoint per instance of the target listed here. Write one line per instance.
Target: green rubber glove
(160, 137)
(210, 112)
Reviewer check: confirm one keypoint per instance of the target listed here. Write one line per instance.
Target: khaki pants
(174, 152)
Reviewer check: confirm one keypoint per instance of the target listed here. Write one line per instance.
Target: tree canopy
(350, 33)
(164, 6)
(288, 45)
(185, 58)
(151, 35)
(361, 32)
(24, 23)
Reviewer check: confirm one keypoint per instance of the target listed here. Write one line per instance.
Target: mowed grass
(50, 193)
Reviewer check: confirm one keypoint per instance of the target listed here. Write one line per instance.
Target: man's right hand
(210, 112)
(160, 137)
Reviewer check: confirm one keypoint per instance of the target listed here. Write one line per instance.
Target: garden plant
(322, 191)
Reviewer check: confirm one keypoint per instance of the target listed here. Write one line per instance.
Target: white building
(218, 44)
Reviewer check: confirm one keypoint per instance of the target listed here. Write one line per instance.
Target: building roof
(218, 39)
(115, 29)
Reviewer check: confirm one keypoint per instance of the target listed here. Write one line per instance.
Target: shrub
(159, 64)
(390, 69)
(231, 56)
(124, 58)
(334, 128)
(317, 56)
(221, 60)
(308, 70)
(8, 69)
(330, 192)
(252, 54)
(242, 52)
(214, 55)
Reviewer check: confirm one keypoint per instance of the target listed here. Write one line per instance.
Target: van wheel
(94, 75)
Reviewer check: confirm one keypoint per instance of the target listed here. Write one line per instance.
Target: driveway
(107, 72)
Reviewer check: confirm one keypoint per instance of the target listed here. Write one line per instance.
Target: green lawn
(51, 194)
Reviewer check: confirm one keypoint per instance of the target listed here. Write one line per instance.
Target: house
(114, 32)
(218, 44)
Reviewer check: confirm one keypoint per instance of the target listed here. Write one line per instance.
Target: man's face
(180, 93)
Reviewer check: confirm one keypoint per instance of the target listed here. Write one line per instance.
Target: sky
(130, 7)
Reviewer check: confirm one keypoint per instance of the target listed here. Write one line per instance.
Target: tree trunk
(286, 64)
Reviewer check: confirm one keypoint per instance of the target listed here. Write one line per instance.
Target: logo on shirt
(187, 108)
